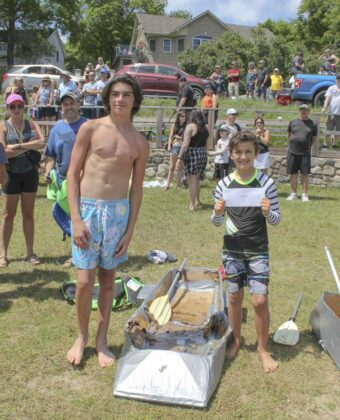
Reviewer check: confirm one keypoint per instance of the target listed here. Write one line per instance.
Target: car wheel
(319, 98)
(198, 93)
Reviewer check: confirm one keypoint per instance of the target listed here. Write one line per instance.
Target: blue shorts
(246, 269)
(175, 149)
(107, 221)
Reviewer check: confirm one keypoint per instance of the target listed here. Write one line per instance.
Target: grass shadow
(312, 197)
(27, 286)
(134, 263)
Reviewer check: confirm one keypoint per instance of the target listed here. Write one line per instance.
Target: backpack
(125, 292)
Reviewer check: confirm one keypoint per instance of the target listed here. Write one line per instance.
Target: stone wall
(324, 172)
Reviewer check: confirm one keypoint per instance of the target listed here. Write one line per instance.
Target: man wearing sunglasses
(332, 102)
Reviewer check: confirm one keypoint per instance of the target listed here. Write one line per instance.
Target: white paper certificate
(243, 197)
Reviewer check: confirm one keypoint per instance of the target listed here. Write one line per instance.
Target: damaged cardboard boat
(180, 362)
(325, 318)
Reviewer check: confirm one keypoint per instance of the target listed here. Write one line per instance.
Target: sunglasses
(14, 106)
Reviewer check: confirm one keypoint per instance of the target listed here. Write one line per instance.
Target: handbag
(34, 157)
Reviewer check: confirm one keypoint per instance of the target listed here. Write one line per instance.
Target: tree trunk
(10, 43)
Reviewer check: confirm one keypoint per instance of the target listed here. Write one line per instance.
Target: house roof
(162, 25)
(165, 25)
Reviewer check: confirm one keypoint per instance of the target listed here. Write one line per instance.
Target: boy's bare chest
(114, 146)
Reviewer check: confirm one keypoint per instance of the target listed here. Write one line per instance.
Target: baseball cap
(65, 74)
(224, 127)
(70, 95)
(304, 106)
(182, 79)
(103, 71)
(231, 111)
(14, 97)
(276, 69)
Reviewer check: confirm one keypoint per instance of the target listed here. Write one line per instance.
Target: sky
(241, 12)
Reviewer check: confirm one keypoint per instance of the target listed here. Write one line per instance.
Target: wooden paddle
(335, 274)
(160, 308)
(288, 332)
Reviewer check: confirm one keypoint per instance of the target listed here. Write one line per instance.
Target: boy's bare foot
(232, 350)
(75, 354)
(268, 363)
(105, 357)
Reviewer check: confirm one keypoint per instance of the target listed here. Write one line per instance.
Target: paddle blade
(287, 334)
(161, 310)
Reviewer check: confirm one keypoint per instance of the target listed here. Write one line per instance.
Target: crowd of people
(260, 82)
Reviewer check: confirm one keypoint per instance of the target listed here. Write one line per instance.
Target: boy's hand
(81, 235)
(219, 207)
(265, 206)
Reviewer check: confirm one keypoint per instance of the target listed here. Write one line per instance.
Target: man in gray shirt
(302, 132)
(333, 121)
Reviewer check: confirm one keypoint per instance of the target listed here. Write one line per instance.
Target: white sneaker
(292, 196)
(304, 197)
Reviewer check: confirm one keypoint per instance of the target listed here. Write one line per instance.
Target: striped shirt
(246, 227)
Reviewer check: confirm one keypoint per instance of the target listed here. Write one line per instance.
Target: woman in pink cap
(18, 137)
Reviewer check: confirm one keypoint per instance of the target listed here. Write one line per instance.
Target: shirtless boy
(104, 208)
(246, 200)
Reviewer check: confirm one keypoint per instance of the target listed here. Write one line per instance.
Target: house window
(57, 56)
(199, 39)
(152, 45)
(167, 45)
(180, 45)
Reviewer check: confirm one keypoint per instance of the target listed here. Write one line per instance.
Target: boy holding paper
(248, 200)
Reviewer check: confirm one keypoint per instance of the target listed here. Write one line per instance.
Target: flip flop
(3, 262)
(32, 259)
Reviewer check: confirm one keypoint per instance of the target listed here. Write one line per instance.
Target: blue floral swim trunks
(107, 221)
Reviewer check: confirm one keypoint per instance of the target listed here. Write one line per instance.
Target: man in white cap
(302, 133)
(232, 126)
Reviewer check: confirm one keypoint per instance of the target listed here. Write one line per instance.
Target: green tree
(186, 14)
(104, 25)
(221, 51)
(17, 16)
(318, 23)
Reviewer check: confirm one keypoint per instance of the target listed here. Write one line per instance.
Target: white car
(33, 74)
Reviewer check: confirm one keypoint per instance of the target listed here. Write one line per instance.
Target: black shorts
(333, 123)
(22, 183)
(221, 170)
(298, 163)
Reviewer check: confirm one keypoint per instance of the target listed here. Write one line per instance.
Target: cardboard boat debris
(182, 361)
(325, 319)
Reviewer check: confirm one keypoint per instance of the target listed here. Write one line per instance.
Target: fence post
(159, 128)
(211, 122)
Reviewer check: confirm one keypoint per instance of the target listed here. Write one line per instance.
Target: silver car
(33, 74)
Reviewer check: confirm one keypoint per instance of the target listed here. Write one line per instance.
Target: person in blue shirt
(66, 85)
(62, 138)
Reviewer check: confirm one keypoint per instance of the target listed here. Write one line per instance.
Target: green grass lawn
(37, 326)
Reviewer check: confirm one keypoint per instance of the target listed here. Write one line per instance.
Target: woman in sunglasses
(19, 136)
